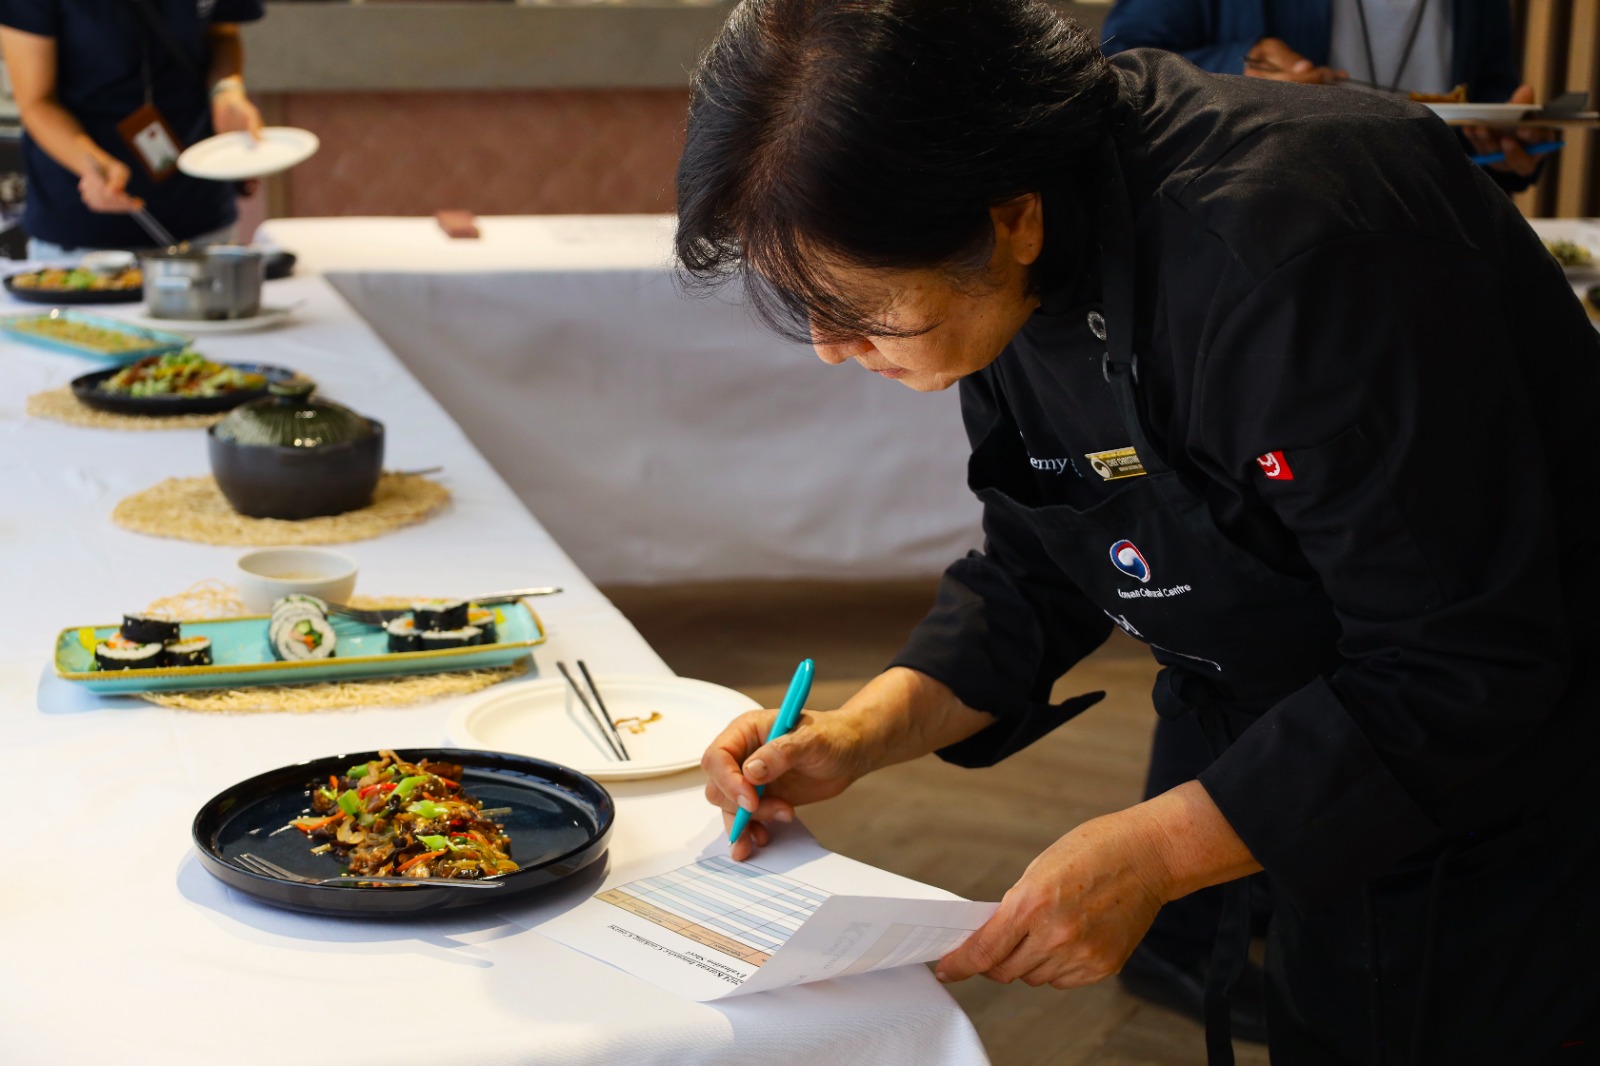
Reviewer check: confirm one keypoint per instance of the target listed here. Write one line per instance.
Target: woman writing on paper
(1207, 337)
(110, 91)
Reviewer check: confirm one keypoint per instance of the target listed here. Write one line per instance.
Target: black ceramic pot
(289, 456)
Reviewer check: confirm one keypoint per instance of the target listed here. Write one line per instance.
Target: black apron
(1234, 637)
(1152, 557)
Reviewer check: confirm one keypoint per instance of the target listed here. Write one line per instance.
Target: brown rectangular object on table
(458, 223)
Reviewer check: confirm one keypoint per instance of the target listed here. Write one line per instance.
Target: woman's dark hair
(878, 133)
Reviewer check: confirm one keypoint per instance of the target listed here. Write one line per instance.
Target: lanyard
(1405, 56)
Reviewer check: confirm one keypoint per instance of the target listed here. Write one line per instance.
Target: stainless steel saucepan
(217, 282)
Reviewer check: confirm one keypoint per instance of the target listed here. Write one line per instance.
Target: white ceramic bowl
(108, 261)
(267, 575)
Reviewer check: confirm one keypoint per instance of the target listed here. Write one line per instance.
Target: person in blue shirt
(86, 74)
(1407, 45)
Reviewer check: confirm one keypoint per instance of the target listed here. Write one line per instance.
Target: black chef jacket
(1323, 279)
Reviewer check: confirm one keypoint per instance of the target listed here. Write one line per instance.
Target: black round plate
(87, 390)
(560, 822)
(71, 297)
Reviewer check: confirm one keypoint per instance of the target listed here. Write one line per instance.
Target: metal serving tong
(147, 222)
(389, 614)
(267, 868)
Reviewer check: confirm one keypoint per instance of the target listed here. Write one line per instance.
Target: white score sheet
(791, 915)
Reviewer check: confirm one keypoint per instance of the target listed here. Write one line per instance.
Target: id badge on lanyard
(146, 131)
(154, 144)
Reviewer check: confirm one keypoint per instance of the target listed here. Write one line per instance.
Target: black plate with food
(74, 286)
(194, 386)
(558, 822)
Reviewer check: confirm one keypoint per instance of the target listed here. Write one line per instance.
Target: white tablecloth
(661, 438)
(115, 946)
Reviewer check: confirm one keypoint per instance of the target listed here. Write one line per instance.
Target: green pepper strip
(426, 808)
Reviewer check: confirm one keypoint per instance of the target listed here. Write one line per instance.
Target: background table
(118, 947)
(661, 438)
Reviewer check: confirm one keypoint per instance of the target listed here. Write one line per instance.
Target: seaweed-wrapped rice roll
(403, 635)
(483, 618)
(189, 651)
(440, 614)
(116, 654)
(307, 637)
(145, 629)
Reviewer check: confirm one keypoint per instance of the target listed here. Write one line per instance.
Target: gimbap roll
(403, 635)
(300, 598)
(439, 614)
(442, 639)
(143, 629)
(190, 651)
(128, 655)
(483, 618)
(285, 616)
(310, 637)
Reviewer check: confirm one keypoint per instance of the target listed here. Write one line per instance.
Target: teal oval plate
(150, 341)
(241, 655)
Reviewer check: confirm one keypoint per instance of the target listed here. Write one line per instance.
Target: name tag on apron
(1116, 464)
(154, 144)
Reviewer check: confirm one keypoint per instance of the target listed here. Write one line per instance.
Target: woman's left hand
(1078, 912)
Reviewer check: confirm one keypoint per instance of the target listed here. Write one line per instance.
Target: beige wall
(493, 108)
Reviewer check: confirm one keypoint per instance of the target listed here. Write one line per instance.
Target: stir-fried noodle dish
(389, 817)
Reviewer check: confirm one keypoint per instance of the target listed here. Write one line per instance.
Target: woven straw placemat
(193, 508)
(62, 406)
(215, 599)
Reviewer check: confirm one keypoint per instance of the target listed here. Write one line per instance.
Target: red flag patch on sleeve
(1275, 466)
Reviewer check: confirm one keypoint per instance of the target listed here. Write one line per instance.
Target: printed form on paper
(791, 915)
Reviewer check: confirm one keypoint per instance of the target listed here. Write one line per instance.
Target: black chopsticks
(602, 717)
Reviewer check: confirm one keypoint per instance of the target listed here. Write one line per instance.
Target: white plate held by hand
(238, 156)
(1489, 114)
(545, 720)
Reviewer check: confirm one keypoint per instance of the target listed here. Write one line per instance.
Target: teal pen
(794, 701)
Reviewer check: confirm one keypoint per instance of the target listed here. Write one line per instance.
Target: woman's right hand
(900, 714)
(818, 760)
(104, 186)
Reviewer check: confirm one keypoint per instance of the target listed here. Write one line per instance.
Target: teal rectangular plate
(160, 340)
(241, 656)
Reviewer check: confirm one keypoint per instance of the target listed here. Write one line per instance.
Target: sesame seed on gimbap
(443, 639)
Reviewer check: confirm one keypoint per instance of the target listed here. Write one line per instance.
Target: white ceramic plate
(1493, 114)
(266, 319)
(545, 720)
(238, 156)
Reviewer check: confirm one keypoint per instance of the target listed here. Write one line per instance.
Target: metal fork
(379, 617)
(257, 865)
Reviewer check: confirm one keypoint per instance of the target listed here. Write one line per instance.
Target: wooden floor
(969, 831)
